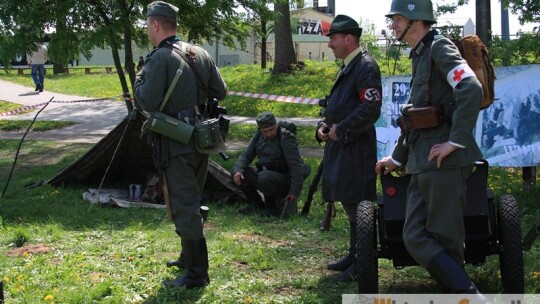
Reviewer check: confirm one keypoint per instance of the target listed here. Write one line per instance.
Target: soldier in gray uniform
(279, 172)
(439, 158)
(182, 168)
(348, 129)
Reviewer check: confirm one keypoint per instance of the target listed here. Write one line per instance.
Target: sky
(373, 11)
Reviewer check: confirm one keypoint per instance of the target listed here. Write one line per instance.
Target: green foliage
(524, 50)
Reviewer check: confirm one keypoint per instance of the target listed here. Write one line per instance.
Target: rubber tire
(366, 249)
(511, 246)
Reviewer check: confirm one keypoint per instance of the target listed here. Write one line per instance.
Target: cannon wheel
(366, 249)
(511, 246)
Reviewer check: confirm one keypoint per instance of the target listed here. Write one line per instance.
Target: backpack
(476, 54)
(289, 126)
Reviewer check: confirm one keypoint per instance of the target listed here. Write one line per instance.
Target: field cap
(265, 120)
(161, 8)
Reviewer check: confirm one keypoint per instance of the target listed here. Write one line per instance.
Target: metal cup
(134, 191)
(204, 213)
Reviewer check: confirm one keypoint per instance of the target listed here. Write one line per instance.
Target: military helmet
(413, 10)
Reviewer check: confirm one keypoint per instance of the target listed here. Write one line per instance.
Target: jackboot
(271, 206)
(196, 263)
(178, 262)
(349, 275)
(450, 274)
(346, 262)
(254, 200)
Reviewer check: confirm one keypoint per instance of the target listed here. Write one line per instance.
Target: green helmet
(413, 10)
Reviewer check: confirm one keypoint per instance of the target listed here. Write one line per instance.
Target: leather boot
(178, 262)
(196, 263)
(450, 274)
(254, 200)
(347, 261)
(271, 206)
(349, 275)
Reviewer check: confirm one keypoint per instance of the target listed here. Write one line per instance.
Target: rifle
(312, 189)
(329, 213)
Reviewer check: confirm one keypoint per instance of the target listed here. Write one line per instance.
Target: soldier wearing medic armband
(438, 157)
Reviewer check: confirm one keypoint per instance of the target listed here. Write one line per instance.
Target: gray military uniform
(280, 166)
(436, 196)
(185, 169)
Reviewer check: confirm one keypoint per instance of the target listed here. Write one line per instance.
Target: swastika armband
(459, 73)
(370, 95)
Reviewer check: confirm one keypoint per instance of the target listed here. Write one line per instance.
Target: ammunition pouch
(208, 136)
(420, 118)
(168, 126)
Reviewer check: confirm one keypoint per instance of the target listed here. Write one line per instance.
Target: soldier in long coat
(353, 107)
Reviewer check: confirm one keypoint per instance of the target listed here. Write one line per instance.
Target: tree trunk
(264, 41)
(483, 20)
(284, 48)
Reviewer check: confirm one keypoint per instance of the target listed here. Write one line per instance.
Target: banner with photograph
(508, 132)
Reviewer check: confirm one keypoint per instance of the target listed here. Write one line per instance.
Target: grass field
(57, 248)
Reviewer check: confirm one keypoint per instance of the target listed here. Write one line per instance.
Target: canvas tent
(133, 164)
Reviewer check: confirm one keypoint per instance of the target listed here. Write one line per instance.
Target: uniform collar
(421, 46)
(168, 41)
(351, 56)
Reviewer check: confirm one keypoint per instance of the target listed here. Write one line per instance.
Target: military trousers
(270, 183)
(434, 222)
(186, 174)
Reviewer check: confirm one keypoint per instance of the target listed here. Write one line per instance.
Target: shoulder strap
(190, 59)
(427, 100)
(171, 87)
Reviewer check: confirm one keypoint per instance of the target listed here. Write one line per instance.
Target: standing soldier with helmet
(440, 155)
(183, 168)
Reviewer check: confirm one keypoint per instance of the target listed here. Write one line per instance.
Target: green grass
(95, 254)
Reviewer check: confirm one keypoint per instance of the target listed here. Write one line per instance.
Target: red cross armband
(459, 73)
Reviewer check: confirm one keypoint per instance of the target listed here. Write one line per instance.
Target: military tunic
(355, 106)
(279, 154)
(436, 197)
(184, 168)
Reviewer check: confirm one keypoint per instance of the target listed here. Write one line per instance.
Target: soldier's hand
(322, 132)
(290, 198)
(238, 177)
(332, 133)
(440, 151)
(385, 166)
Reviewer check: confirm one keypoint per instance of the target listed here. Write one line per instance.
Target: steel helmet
(413, 10)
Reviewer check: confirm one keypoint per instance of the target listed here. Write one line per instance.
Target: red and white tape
(282, 98)
(39, 105)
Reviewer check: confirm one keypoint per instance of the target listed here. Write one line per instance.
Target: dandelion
(5, 279)
(48, 298)
(25, 254)
(248, 300)
(20, 288)
(20, 277)
(131, 258)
